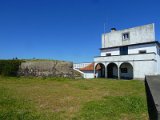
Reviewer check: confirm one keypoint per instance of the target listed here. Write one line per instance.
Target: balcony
(129, 57)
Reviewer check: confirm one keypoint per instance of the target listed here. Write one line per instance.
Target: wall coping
(154, 86)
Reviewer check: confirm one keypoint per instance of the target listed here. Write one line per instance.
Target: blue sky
(67, 29)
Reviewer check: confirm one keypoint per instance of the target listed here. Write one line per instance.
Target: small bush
(9, 67)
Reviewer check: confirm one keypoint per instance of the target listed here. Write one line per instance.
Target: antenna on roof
(105, 25)
(104, 35)
(104, 28)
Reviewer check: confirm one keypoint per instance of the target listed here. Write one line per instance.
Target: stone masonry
(46, 68)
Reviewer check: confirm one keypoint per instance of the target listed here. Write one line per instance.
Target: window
(108, 54)
(142, 51)
(124, 50)
(124, 70)
(125, 36)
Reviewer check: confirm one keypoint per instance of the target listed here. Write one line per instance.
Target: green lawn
(66, 99)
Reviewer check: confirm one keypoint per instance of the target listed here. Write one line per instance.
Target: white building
(129, 53)
(80, 65)
(86, 69)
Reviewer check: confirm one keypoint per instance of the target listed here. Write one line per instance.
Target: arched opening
(112, 70)
(100, 70)
(126, 71)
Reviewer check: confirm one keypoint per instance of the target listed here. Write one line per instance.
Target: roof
(156, 42)
(90, 67)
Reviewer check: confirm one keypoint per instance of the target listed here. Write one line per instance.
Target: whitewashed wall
(88, 74)
(132, 49)
(148, 47)
(138, 34)
(113, 51)
(125, 58)
(142, 68)
(80, 65)
(158, 60)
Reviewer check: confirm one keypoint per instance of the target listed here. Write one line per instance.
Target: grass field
(66, 99)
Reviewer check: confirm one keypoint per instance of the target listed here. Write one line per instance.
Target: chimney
(113, 29)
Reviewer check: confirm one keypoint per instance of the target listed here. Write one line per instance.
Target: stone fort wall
(46, 68)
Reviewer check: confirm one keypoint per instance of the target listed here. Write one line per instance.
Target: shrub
(9, 67)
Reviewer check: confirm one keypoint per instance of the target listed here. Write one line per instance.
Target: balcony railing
(129, 57)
